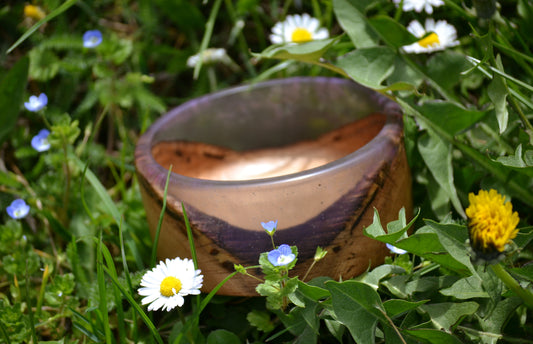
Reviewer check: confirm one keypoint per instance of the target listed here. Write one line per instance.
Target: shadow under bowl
(323, 204)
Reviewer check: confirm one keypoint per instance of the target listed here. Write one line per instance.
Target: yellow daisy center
(170, 286)
(492, 223)
(429, 40)
(34, 12)
(300, 35)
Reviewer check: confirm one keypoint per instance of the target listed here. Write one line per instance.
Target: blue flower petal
(273, 257)
(40, 141)
(92, 38)
(18, 209)
(270, 226)
(36, 103)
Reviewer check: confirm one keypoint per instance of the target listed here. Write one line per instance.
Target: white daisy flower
(433, 37)
(166, 284)
(419, 5)
(298, 29)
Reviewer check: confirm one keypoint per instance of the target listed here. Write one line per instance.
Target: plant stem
(512, 284)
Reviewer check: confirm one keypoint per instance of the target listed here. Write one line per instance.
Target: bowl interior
(271, 114)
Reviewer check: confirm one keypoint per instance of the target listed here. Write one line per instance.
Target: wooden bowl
(316, 154)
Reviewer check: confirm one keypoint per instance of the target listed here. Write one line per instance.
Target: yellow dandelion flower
(34, 12)
(491, 222)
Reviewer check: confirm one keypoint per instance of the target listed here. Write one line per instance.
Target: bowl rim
(149, 166)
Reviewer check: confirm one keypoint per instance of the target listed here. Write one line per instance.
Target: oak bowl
(272, 151)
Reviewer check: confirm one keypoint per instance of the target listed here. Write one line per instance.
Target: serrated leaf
(12, 88)
(261, 320)
(513, 160)
(368, 66)
(437, 155)
(447, 314)
(395, 229)
(497, 92)
(44, 64)
(525, 272)
(493, 323)
(453, 238)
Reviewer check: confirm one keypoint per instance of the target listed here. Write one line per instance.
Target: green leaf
(352, 18)
(524, 237)
(391, 31)
(223, 336)
(261, 320)
(433, 336)
(497, 92)
(453, 238)
(437, 155)
(395, 229)
(335, 328)
(515, 160)
(305, 52)
(12, 88)
(373, 277)
(396, 307)
(44, 64)
(525, 272)
(492, 324)
(466, 288)
(445, 67)
(447, 314)
(313, 292)
(357, 306)
(428, 246)
(368, 66)
(450, 117)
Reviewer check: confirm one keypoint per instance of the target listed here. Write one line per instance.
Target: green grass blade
(136, 306)
(118, 300)
(190, 237)
(65, 6)
(209, 26)
(203, 304)
(160, 222)
(108, 205)
(102, 292)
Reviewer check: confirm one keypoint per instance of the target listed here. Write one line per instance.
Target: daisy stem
(513, 284)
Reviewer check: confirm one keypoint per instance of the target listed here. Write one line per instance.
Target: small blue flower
(92, 38)
(395, 249)
(281, 256)
(36, 103)
(18, 209)
(270, 226)
(40, 141)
